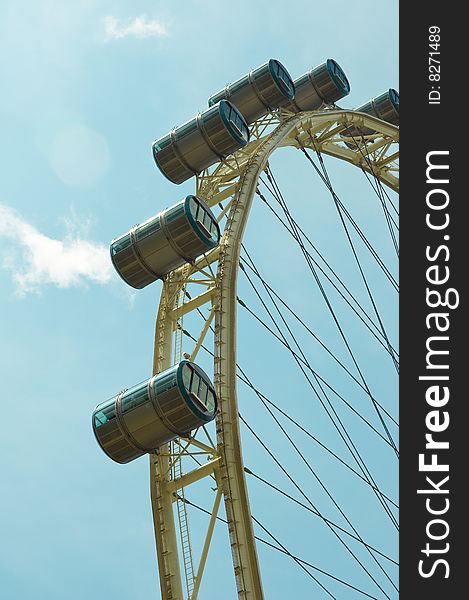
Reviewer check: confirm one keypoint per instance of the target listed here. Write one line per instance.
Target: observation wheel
(209, 287)
(187, 416)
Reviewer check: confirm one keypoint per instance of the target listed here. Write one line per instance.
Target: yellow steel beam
(208, 539)
(192, 304)
(193, 476)
(198, 444)
(161, 500)
(202, 335)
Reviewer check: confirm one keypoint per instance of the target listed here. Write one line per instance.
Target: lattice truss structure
(208, 286)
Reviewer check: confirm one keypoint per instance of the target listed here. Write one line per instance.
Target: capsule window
(210, 402)
(147, 228)
(174, 212)
(284, 78)
(212, 229)
(197, 401)
(186, 128)
(204, 229)
(105, 413)
(204, 221)
(238, 124)
(186, 376)
(394, 97)
(134, 398)
(338, 75)
(237, 85)
(209, 114)
(201, 216)
(193, 207)
(121, 244)
(203, 392)
(195, 382)
(235, 124)
(163, 142)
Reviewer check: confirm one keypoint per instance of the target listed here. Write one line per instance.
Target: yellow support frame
(235, 181)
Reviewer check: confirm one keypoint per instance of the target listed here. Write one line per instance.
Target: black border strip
(430, 128)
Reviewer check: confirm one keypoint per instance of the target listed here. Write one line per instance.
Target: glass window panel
(193, 206)
(238, 123)
(203, 392)
(238, 85)
(162, 143)
(148, 228)
(195, 384)
(186, 128)
(120, 244)
(100, 419)
(210, 402)
(174, 212)
(213, 101)
(105, 412)
(186, 376)
(134, 398)
(164, 381)
(284, 79)
(203, 228)
(208, 114)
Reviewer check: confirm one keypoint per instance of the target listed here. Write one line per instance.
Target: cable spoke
(331, 310)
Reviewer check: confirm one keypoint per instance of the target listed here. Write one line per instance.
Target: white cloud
(35, 259)
(139, 27)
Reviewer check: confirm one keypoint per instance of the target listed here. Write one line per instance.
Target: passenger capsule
(143, 418)
(324, 84)
(165, 242)
(385, 107)
(258, 92)
(207, 138)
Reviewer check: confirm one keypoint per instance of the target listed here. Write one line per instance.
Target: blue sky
(86, 87)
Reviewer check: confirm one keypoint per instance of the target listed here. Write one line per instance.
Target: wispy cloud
(140, 27)
(35, 259)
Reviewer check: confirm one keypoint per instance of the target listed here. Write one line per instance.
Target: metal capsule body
(260, 91)
(385, 107)
(173, 237)
(325, 84)
(143, 418)
(207, 138)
